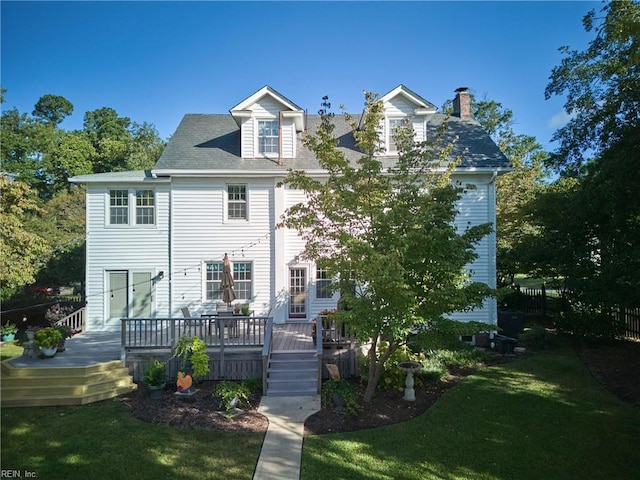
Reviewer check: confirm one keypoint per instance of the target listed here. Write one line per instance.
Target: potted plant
(47, 339)
(154, 376)
(8, 332)
(192, 352)
(245, 310)
(67, 332)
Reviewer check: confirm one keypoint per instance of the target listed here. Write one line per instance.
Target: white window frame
(213, 284)
(323, 282)
(133, 208)
(143, 209)
(273, 150)
(392, 125)
(229, 202)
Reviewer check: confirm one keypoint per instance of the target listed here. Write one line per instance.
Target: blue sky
(156, 61)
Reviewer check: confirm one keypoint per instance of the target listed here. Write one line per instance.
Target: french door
(130, 294)
(297, 292)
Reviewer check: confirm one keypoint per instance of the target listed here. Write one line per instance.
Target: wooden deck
(291, 337)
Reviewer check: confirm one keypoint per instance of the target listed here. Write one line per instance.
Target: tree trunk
(376, 368)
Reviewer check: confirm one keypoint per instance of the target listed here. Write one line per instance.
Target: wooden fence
(537, 301)
(630, 317)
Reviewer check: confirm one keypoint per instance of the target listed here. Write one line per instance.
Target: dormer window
(268, 137)
(268, 124)
(394, 125)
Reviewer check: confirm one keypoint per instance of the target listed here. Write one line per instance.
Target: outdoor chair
(230, 322)
(192, 322)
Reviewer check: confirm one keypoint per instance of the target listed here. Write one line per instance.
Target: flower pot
(61, 347)
(156, 392)
(49, 351)
(9, 337)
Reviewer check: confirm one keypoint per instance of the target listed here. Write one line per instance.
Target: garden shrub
(244, 391)
(460, 358)
(589, 322)
(393, 377)
(339, 386)
(536, 338)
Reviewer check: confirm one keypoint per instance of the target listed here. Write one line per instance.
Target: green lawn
(103, 441)
(539, 418)
(10, 350)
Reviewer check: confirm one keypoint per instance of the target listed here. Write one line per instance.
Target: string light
(185, 270)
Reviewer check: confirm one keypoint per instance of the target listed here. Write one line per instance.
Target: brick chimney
(462, 103)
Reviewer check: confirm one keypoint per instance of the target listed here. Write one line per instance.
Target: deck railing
(162, 333)
(76, 320)
(266, 353)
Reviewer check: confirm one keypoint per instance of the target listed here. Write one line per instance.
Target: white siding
(266, 107)
(193, 210)
(247, 138)
(130, 248)
(477, 206)
(202, 233)
(288, 138)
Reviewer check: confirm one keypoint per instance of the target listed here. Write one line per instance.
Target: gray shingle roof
(212, 142)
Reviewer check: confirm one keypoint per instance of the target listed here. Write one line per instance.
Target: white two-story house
(156, 239)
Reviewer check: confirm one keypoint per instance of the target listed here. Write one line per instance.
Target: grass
(103, 441)
(543, 417)
(10, 350)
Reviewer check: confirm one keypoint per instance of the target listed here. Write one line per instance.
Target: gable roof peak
(410, 95)
(261, 93)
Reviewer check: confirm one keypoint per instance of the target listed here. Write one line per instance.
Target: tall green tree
(23, 252)
(601, 85)
(387, 234)
(52, 109)
(62, 223)
(73, 155)
(594, 236)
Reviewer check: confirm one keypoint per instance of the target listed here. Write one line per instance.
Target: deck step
(292, 373)
(54, 386)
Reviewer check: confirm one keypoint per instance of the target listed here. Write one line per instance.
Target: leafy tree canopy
(387, 234)
(601, 84)
(52, 109)
(22, 251)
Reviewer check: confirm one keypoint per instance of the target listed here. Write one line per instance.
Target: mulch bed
(616, 366)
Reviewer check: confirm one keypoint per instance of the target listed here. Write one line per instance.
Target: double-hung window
(394, 125)
(145, 207)
(242, 280)
(267, 136)
(142, 213)
(237, 201)
(119, 207)
(323, 283)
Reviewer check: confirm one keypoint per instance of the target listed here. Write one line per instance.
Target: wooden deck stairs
(293, 362)
(292, 372)
(49, 386)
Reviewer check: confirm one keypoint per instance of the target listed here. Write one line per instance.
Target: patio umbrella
(228, 295)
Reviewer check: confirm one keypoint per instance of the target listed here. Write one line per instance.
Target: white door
(130, 294)
(118, 295)
(298, 293)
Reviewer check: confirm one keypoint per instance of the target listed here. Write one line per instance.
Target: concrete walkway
(282, 447)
